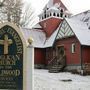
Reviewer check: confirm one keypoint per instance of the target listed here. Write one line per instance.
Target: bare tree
(28, 16)
(12, 11)
(2, 3)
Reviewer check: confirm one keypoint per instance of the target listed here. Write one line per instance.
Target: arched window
(54, 14)
(42, 17)
(57, 14)
(45, 15)
(73, 47)
(61, 14)
(62, 10)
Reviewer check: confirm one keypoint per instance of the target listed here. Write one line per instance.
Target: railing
(57, 61)
(62, 60)
(53, 61)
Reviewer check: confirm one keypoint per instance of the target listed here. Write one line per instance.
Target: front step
(57, 64)
(55, 69)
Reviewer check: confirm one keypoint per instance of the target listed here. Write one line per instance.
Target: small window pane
(73, 48)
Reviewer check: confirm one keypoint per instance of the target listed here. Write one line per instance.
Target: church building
(44, 32)
(61, 41)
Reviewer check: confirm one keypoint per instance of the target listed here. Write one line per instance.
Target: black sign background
(11, 64)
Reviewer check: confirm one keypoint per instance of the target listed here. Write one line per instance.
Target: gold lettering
(7, 62)
(1, 62)
(18, 57)
(10, 73)
(19, 49)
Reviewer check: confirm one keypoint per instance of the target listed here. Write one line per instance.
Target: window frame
(73, 48)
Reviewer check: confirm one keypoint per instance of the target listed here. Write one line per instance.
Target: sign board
(11, 59)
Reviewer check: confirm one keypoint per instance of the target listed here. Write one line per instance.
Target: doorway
(60, 51)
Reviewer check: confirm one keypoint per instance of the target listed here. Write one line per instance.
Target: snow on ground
(54, 81)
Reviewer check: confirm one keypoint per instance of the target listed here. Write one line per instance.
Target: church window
(45, 15)
(57, 14)
(54, 14)
(42, 17)
(61, 14)
(73, 47)
(61, 10)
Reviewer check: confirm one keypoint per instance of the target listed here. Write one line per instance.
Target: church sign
(11, 59)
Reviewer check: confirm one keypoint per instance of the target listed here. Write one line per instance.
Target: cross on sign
(6, 42)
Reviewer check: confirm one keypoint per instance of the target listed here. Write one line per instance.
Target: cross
(6, 42)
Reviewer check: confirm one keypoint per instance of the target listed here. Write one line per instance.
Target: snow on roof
(54, 8)
(80, 29)
(50, 41)
(38, 26)
(84, 16)
(38, 36)
(40, 40)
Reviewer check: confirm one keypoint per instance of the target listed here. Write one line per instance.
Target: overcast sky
(77, 6)
(74, 6)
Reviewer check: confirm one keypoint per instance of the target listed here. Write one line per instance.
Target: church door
(60, 51)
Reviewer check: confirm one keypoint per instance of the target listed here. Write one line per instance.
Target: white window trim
(73, 48)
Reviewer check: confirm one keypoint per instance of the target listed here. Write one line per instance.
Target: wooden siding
(71, 58)
(86, 54)
(39, 56)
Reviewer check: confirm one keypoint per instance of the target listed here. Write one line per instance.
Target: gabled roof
(80, 29)
(39, 36)
(84, 16)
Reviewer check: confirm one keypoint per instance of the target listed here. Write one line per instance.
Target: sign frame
(19, 32)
